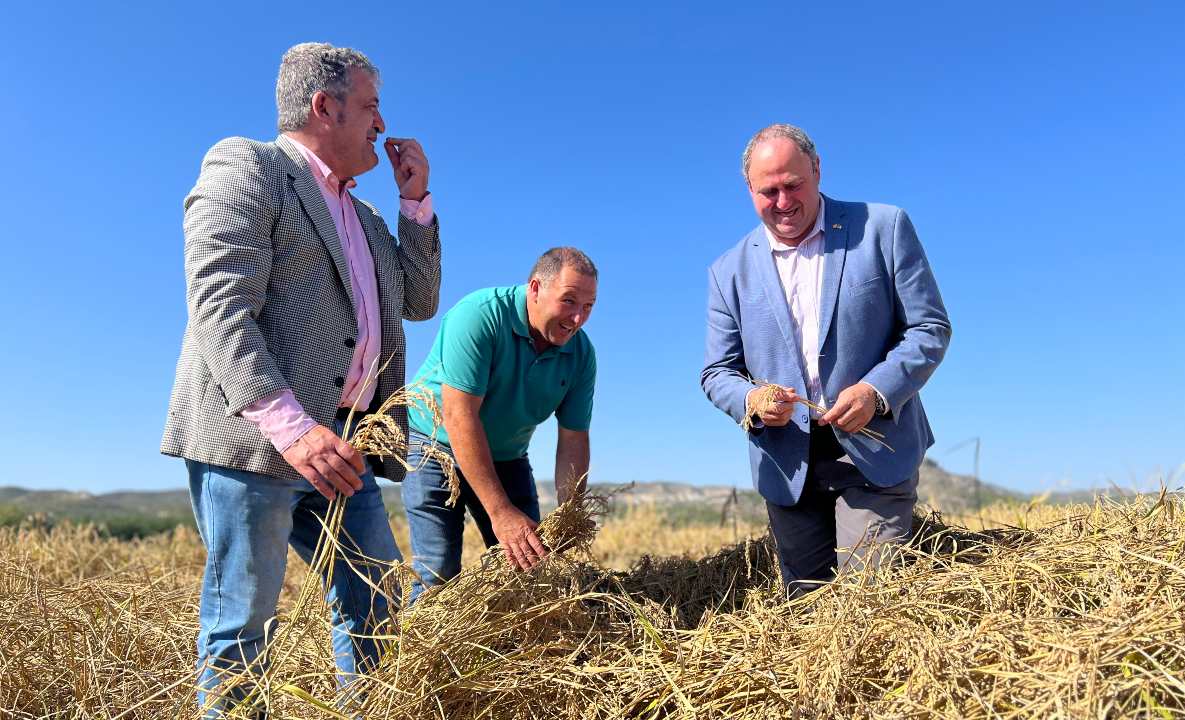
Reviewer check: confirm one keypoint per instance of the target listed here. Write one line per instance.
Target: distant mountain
(127, 514)
(123, 514)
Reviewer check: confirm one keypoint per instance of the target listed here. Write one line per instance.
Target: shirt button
(804, 418)
(339, 381)
(349, 342)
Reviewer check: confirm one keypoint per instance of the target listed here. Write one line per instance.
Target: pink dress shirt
(279, 416)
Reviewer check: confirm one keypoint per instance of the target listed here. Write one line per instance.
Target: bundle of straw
(765, 397)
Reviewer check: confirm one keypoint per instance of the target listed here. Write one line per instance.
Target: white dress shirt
(800, 269)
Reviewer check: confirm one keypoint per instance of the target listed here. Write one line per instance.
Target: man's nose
(783, 200)
(379, 125)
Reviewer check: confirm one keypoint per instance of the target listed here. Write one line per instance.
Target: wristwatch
(881, 407)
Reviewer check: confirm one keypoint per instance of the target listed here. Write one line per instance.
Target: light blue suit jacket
(882, 321)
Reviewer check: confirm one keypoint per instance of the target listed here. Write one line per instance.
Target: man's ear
(533, 286)
(319, 107)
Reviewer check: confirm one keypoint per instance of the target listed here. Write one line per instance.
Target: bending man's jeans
(436, 529)
(247, 520)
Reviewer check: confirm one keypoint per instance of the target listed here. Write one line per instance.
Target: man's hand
(327, 462)
(774, 404)
(853, 408)
(410, 165)
(516, 534)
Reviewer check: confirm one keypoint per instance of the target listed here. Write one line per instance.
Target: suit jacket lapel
(761, 259)
(380, 252)
(314, 204)
(835, 250)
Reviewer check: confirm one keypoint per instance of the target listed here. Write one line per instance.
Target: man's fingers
(346, 471)
(836, 412)
(318, 481)
(392, 152)
(352, 456)
(325, 490)
(529, 558)
(411, 150)
(331, 475)
(854, 419)
(536, 545)
(516, 556)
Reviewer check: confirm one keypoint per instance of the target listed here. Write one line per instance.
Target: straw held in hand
(768, 397)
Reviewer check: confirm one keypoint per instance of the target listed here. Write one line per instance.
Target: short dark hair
(550, 263)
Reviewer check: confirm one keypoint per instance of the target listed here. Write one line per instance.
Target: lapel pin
(836, 226)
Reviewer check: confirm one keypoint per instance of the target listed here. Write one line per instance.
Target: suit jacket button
(339, 381)
(349, 342)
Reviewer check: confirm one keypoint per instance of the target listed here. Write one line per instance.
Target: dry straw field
(1071, 612)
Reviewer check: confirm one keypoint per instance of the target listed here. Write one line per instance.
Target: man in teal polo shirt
(505, 360)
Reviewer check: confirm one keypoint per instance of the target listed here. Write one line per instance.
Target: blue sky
(1038, 147)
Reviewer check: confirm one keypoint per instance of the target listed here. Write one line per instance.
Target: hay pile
(1083, 615)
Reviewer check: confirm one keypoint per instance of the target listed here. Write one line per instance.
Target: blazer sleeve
(228, 260)
(724, 378)
(925, 328)
(419, 256)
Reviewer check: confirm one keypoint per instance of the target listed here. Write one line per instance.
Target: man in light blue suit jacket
(835, 303)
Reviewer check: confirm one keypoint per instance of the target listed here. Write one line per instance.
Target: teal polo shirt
(484, 347)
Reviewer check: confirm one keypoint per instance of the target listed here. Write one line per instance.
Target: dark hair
(550, 263)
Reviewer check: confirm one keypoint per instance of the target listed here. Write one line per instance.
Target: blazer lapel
(314, 204)
(835, 250)
(382, 253)
(761, 260)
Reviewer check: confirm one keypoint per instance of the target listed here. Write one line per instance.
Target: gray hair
(778, 130)
(309, 68)
(550, 263)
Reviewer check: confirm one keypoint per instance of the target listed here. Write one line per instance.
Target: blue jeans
(247, 520)
(436, 529)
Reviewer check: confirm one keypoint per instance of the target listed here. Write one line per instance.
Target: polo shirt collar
(523, 329)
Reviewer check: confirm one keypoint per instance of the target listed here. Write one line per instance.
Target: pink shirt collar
(321, 171)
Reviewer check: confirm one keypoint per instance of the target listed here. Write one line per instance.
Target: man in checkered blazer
(296, 293)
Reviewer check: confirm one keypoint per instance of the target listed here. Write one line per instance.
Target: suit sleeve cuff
(280, 418)
(418, 211)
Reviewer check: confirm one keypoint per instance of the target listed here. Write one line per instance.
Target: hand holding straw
(767, 395)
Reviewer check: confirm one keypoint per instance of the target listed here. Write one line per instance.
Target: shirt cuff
(418, 211)
(280, 418)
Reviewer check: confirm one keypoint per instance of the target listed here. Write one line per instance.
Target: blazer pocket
(865, 287)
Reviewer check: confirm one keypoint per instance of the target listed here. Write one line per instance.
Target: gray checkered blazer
(271, 304)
